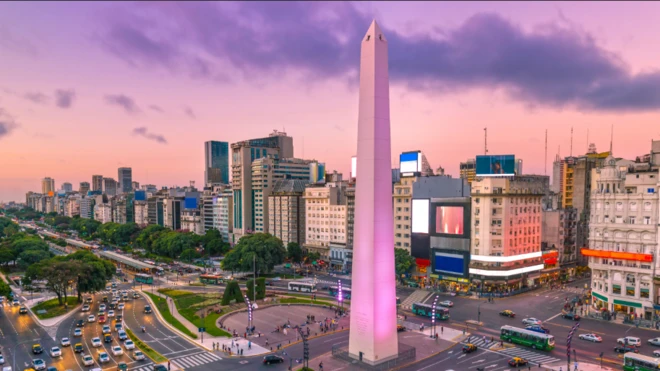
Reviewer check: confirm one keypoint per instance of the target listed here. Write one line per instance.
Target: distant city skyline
(110, 90)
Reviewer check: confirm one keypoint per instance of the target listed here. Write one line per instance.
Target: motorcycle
(144, 329)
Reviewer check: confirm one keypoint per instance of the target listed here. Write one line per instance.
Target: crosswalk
(196, 359)
(416, 297)
(481, 342)
(109, 292)
(530, 356)
(144, 368)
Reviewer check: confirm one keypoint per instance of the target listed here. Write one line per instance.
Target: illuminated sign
(420, 215)
(505, 259)
(500, 165)
(618, 255)
(483, 272)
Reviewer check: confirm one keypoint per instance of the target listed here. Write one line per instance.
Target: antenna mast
(485, 141)
(546, 152)
(611, 138)
(571, 141)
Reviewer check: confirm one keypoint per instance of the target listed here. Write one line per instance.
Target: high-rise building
(401, 197)
(216, 160)
(279, 146)
(141, 213)
(72, 206)
(97, 182)
(286, 211)
(135, 185)
(109, 186)
(221, 210)
(155, 214)
(87, 208)
(47, 185)
(468, 170)
(125, 180)
(103, 212)
(172, 207)
(67, 187)
(83, 188)
(559, 233)
(325, 218)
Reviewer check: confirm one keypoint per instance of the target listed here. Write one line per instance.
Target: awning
(617, 255)
(550, 261)
(599, 296)
(423, 262)
(336, 262)
(656, 306)
(627, 303)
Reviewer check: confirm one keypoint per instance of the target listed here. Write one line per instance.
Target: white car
(656, 353)
(446, 303)
(38, 364)
(120, 306)
(15, 302)
(654, 341)
(111, 313)
(591, 337)
(117, 351)
(104, 357)
(106, 330)
(65, 342)
(102, 307)
(55, 352)
(630, 340)
(87, 360)
(77, 332)
(122, 335)
(96, 342)
(139, 356)
(531, 321)
(91, 318)
(129, 345)
(2, 360)
(85, 308)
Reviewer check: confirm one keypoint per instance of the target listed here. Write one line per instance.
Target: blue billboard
(140, 195)
(449, 263)
(190, 203)
(410, 162)
(496, 165)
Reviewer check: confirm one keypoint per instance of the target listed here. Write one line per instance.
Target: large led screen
(449, 263)
(410, 162)
(448, 220)
(498, 165)
(420, 216)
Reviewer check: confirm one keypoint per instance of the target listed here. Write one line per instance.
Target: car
(102, 307)
(80, 323)
(160, 368)
(400, 328)
(96, 342)
(538, 328)
(118, 326)
(630, 340)
(531, 321)
(104, 357)
(77, 332)
(89, 300)
(102, 319)
(591, 337)
(122, 366)
(117, 351)
(91, 318)
(111, 313)
(65, 342)
(85, 308)
(121, 334)
(469, 348)
(128, 344)
(78, 348)
(136, 295)
(446, 303)
(87, 360)
(55, 352)
(271, 358)
(119, 317)
(147, 309)
(37, 349)
(571, 316)
(107, 338)
(112, 305)
(656, 353)
(2, 359)
(106, 330)
(105, 299)
(22, 310)
(15, 302)
(654, 341)
(626, 349)
(517, 361)
(38, 364)
(138, 355)
(120, 306)
(114, 286)
(507, 313)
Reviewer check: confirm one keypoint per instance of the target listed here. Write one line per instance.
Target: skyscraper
(373, 337)
(97, 182)
(67, 187)
(109, 186)
(125, 180)
(84, 188)
(47, 185)
(216, 159)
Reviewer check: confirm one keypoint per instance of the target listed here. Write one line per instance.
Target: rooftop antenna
(546, 152)
(571, 141)
(485, 141)
(587, 140)
(611, 138)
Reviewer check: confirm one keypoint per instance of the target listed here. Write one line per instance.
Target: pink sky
(276, 76)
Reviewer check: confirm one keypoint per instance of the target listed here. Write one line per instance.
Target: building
(506, 231)
(623, 239)
(149, 188)
(278, 145)
(155, 214)
(125, 180)
(402, 199)
(325, 218)
(109, 186)
(72, 206)
(216, 160)
(172, 207)
(135, 185)
(83, 188)
(141, 213)
(316, 172)
(47, 185)
(286, 211)
(222, 211)
(124, 211)
(87, 208)
(559, 234)
(468, 170)
(103, 212)
(67, 187)
(191, 214)
(350, 220)
(97, 182)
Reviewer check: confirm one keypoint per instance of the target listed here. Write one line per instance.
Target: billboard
(448, 220)
(410, 162)
(190, 203)
(354, 167)
(140, 195)
(496, 165)
(450, 262)
(420, 215)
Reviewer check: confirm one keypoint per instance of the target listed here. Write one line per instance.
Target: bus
(144, 278)
(345, 292)
(302, 286)
(426, 310)
(638, 362)
(527, 338)
(211, 279)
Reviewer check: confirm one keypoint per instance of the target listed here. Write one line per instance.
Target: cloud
(36, 97)
(189, 112)
(123, 101)
(7, 123)
(15, 43)
(156, 108)
(143, 132)
(552, 65)
(64, 98)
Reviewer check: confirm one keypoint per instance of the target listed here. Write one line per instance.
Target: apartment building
(325, 218)
(286, 211)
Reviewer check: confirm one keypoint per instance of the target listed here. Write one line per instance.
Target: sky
(87, 87)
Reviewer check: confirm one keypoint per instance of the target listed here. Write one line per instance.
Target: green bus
(638, 362)
(144, 278)
(527, 338)
(211, 279)
(426, 310)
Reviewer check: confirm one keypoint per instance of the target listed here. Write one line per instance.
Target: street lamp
(249, 306)
(435, 303)
(340, 295)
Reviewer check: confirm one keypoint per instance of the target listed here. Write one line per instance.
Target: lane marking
(549, 319)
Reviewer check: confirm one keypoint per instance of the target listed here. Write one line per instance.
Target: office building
(83, 188)
(155, 214)
(67, 187)
(221, 213)
(286, 211)
(103, 212)
(172, 207)
(86, 208)
(47, 185)
(216, 160)
(325, 218)
(97, 182)
(109, 186)
(124, 180)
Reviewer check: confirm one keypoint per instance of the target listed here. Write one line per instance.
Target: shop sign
(421, 269)
(454, 279)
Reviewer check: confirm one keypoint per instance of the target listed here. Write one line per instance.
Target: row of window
(619, 206)
(619, 219)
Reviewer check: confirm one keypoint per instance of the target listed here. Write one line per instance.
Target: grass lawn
(308, 301)
(188, 303)
(164, 309)
(155, 356)
(322, 299)
(53, 308)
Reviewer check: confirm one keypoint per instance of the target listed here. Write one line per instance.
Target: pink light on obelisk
(373, 308)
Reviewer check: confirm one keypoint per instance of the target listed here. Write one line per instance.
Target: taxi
(37, 349)
(469, 348)
(78, 348)
(517, 361)
(507, 313)
(400, 328)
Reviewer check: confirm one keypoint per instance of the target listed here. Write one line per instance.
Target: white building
(72, 207)
(87, 208)
(222, 215)
(141, 213)
(103, 212)
(325, 218)
(286, 211)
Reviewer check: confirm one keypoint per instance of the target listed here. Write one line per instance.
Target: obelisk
(373, 336)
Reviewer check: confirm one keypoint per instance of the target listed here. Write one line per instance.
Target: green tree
(30, 257)
(266, 249)
(294, 252)
(6, 256)
(5, 290)
(403, 262)
(22, 242)
(261, 288)
(94, 272)
(148, 235)
(213, 243)
(57, 274)
(313, 256)
(232, 292)
(189, 255)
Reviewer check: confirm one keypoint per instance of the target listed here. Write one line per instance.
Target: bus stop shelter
(124, 261)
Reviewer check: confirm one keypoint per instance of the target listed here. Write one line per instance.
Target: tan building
(468, 170)
(402, 198)
(141, 213)
(325, 218)
(286, 211)
(47, 185)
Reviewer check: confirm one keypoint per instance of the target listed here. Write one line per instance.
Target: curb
(59, 319)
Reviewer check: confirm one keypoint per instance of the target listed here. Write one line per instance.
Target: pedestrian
(168, 366)
(249, 345)
(241, 351)
(442, 329)
(321, 366)
(232, 343)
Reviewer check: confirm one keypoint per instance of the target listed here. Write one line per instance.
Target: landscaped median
(164, 309)
(52, 308)
(155, 356)
(190, 304)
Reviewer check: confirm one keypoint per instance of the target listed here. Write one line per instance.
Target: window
(616, 289)
(631, 220)
(633, 206)
(619, 206)
(630, 291)
(647, 220)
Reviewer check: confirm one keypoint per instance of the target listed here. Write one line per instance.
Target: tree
(294, 252)
(261, 288)
(30, 257)
(6, 256)
(57, 273)
(403, 262)
(94, 272)
(5, 290)
(189, 255)
(263, 248)
(313, 256)
(232, 292)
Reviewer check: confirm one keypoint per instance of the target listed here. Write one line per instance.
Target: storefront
(450, 284)
(599, 301)
(627, 307)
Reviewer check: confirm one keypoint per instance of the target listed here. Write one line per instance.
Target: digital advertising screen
(190, 203)
(410, 162)
(449, 220)
(449, 263)
(420, 215)
(140, 195)
(496, 165)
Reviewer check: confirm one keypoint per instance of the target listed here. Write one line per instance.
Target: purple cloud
(17, 44)
(143, 132)
(189, 112)
(7, 123)
(123, 101)
(156, 108)
(553, 65)
(36, 97)
(64, 98)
